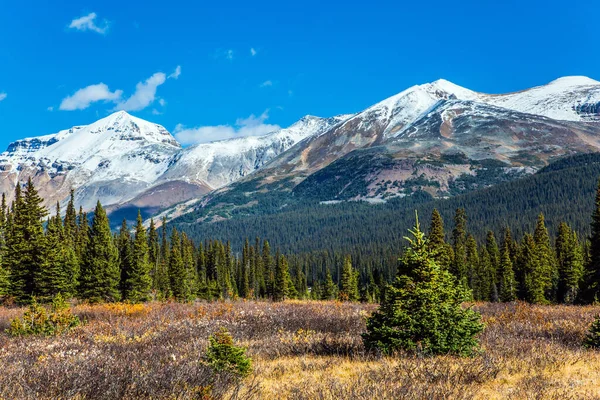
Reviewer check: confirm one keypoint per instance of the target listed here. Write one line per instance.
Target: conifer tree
(533, 275)
(100, 273)
(329, 289)
(507, 284)
(349, 282)
(70, 224)
(26, 247)
(138, 282)
(570, 264)
(459, 239)
(153, 253)
(491, 246)
(423, 309)
(442, 251)
(4, 272)
(592, 269)
(123, 242)
(546, 258)
(58, 274)
(472, 264)
(177, 271)
(281, 290)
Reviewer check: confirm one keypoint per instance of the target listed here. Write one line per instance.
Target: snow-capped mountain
(437, 137)
(124, 161)
(108, 160)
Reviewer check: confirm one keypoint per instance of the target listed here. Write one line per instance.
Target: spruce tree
(123, 242)
(570, 264)
(138, 282)
(329, 288)
(474, 279)
(506, 282)
(4, 272)
(349, 282)
(177, 272)
(423, 309)
(57, 275)
(532, 273)
(100, 275)
(282, 279)
(546, 258)
(26, 243)
(459, 239)
(442, 251)
(592, 269)
(70, 224)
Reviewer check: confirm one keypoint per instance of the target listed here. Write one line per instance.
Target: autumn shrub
(223, 355)
(38, 320)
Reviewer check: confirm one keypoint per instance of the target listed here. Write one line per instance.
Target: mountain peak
(574, 81)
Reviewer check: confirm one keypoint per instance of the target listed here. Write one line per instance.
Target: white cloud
(51, 108)
(253, 51)
(266, 84)
(156, 112)
(145, 93)
(251, 126)
(229, 54)
(3, 96)
(162, 102)
(176, 73)
(82, 98)
(87, 23)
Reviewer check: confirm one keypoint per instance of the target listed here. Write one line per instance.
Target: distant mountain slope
(128, 163)
(438, 137)
(563, 191)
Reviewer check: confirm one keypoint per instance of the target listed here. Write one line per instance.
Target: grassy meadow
(300, 350)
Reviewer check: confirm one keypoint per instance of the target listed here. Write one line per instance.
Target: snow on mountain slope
(124, 161)
(571, 98)
(219, 163)
(109, 160)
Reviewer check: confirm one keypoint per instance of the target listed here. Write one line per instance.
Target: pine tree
(349, 282)
(138, 282)
(329, 289)
(26, 244)
(100, 273)
(281, 290)
(459, 239)
(472, 265)
(507, 284)
(546, 258)
(177, 272)
(533, 275)
(570, 264)
(592, 269)
(70, 224)
(422, 310)
(58, 273)
(123, 242)
(4, 272)
(442, 251)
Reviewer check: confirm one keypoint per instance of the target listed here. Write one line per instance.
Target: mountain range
(438, 138)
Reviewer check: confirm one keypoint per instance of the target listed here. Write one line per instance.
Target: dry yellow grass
(301, 350)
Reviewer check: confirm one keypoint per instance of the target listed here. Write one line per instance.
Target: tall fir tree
(100, 274)
(329, 289)
(177, 272)
(591, 292)
(547, 260)
(139, 282)
(570, 264)
(281, 290)
(442, 251)
(123, 242)
(26, 249)
(459, 240)
(349, 282)
(506, 283)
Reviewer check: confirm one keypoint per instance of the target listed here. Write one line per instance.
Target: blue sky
(220, 69)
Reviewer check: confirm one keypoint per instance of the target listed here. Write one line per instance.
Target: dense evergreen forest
(41, 255)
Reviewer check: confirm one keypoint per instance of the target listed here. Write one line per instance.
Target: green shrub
(223, 356)
(423, 309)
(592, 339)
(38, 320)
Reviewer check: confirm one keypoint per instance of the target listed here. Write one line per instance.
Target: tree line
(42, 256)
